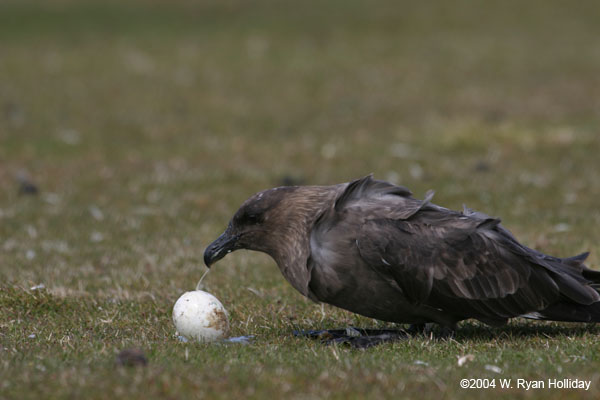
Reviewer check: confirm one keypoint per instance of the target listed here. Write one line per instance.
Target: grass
(145, 125)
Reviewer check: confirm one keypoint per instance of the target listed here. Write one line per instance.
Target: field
(144, 125)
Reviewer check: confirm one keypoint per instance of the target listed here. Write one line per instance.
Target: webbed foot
(355, 337)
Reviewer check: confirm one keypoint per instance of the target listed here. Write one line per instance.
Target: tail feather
(577, 261)
(580, 287)
(591, 275)
(569, 312)
(575, 280)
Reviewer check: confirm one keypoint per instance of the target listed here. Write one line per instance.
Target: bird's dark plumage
(369, 247)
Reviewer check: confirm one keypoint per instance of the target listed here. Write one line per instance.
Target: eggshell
(200, 316)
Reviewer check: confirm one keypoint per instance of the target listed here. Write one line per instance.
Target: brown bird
(371, 248)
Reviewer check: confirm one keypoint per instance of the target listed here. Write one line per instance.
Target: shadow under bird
(369, 247)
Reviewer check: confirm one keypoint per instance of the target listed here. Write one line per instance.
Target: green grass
(145, 125)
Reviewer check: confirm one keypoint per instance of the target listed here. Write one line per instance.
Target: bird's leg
(415, 329)
(356, 337)
(363, 342)
(418, 329)
(445, 321)
(447, 331)
(363, 338)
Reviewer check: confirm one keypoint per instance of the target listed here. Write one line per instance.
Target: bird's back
(380, 252)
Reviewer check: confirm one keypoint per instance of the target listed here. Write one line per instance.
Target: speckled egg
(200, 316)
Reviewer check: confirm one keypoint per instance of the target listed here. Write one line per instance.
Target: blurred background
(130, 131)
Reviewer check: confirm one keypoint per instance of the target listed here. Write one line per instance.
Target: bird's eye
(248, 219)
(249, 216)
(253, 218)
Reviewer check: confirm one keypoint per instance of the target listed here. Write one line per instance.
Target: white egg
(200, 316)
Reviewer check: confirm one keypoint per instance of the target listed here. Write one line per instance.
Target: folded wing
(463, 263)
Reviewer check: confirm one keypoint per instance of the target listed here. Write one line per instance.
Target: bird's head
(258, 225)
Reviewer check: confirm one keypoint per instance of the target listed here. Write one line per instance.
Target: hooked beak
(218, 249)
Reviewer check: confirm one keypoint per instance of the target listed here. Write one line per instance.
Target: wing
(371, 197)
(466, 262)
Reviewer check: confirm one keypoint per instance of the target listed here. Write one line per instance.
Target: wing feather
(442, 264)
(466, 262)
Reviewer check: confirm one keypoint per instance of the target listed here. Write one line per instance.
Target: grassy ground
(145, 125)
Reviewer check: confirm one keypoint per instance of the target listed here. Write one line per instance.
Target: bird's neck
(291, 247)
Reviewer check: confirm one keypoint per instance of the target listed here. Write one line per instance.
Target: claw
(355, 337)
